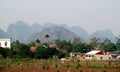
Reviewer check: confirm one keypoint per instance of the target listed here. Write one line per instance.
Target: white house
(5, 42)
(95, 54)
(101, 55)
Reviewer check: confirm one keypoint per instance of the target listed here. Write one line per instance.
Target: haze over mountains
(25, 33)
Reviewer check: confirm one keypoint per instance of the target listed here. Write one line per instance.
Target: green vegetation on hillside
(62, 48)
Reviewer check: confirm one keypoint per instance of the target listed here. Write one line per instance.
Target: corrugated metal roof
(92, 52)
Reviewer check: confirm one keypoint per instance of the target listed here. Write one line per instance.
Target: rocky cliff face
(25, 32)
(55, 32)
(103, 34)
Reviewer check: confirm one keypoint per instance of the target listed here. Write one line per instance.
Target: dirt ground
(39, 69)
(53, 66)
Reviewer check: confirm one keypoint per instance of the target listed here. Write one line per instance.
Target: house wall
(5, 43)
(97, 57)
(89, 57)
(102, 57)
(72, 55)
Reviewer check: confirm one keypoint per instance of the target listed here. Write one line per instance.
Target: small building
(94, 54)
(113, 55)
(77, 55)
(5, 42)
(76, 40)
(101, 55)
(52, 45)
(33, 48)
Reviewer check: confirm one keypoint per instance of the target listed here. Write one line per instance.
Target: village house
(113, 55)
(76, 40)
(33, 48)
(5, 42)
(92, 54)
(77, 55)
(52, 45)
(101, 55)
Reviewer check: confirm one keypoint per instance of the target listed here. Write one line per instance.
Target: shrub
(43, 67)
(68, 65)
(56, 65)
(104, 71)
(58, 71)
(78, 66)
(47, 68)
(78, 60)
(81, 70)
(1, 68)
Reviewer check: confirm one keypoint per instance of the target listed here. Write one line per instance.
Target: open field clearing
(55, 65)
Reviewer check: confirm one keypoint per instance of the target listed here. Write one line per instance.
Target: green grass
(96, 66)
(54, 60)
(68, 66)
(15, 62)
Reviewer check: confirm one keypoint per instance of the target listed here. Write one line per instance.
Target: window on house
(89, 56)
(101, 58)
(5, 43)
(92, 55)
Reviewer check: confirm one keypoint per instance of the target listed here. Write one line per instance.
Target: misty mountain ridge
(3, 34)
(24, 32)
(103, 34)
(55, 32)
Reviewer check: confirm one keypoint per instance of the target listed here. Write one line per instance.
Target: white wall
(7, 41)
(102, 57)
(89, 57)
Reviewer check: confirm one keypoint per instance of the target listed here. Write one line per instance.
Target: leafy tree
(82, 47)
(51, 52)
(14, 54)
(37, 41)
(94, 42)
(16, 45)
(4, 52)
(40, 52)
(118, 44)
(107, 45)
(47, 36)
(32, 44)
(66, 45)
(61, 55)
(24, 51)
(43, 52)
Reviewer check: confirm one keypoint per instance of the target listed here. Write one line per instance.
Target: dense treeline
(20, 50)
(62, 48)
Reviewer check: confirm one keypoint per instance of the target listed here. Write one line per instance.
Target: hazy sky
(91, 15)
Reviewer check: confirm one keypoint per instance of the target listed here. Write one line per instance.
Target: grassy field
(55, 65)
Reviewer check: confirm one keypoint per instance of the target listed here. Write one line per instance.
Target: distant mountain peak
(55, 32)
(104, 34)
(20, 22)
(23, 32)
